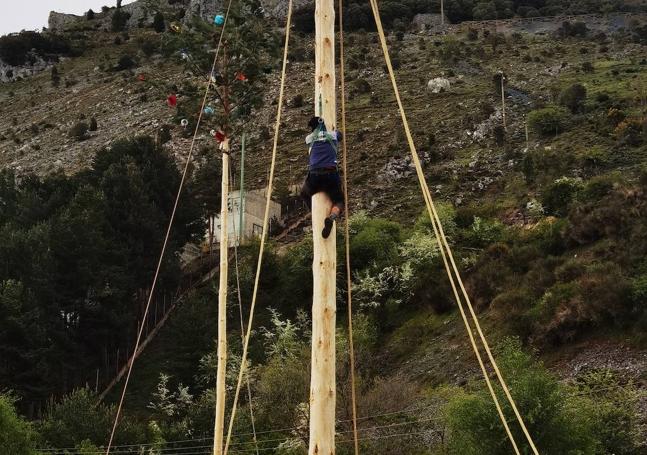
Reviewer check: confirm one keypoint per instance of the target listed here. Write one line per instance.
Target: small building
(253, 204)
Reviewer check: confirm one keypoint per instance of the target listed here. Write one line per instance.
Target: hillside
(544, 206)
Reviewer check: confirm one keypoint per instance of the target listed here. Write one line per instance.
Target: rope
(165, 244)
(419, 409)
(440, 235)
(242, 323)
(349, 295)
(265, 229)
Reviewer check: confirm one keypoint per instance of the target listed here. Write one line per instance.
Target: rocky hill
(544, 191)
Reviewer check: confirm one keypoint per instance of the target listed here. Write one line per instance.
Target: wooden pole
(222, 307)
(241, 207)
(322, 381)
(505, 128)
(442, 12)
(222, 290)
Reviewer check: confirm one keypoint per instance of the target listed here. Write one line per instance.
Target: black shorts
(328, 182)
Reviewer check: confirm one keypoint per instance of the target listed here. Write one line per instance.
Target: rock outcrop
(60, 21)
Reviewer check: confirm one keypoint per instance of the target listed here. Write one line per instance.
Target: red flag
(220, 136)
(142, 77)
(241, 77)
(171, 100)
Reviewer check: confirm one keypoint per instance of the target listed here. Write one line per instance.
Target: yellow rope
(242, 322)
(440, 235)
(349, 283)
(165, 243)
(266, 217)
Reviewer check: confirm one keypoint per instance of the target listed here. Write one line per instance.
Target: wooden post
(222, 306)
(241, 208)
(322, 381)
(505, 128)
(219, 425)
(442, 12)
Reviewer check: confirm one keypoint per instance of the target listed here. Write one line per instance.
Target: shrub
(632, 131)
(587, 67)
(79, 131)
(78, 417)
(374, 240)
(549, 120)
(297, 101)
(555, 420)
(572, 30)
(16, 434)
(557, 197)
(119, 20)
(472, 34)
(158, 22)
(573, 98)
(93, 124)
(499, 135)
(148, 45)
(89, 15)
(125, 62)
(362, 86)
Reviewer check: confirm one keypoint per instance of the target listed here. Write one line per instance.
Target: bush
(89, 15)
(119, 20)
(93, 124)
(78, 418)
(125, 62)
(373, 241)
(632, 131)
(362, 86)
(587, 67)
(573, 98)
(549, 120)
(555, 420)
(557, 197)
(158, 22)
(578, 29)
(79, 131)
(16, 434)
(148, 45)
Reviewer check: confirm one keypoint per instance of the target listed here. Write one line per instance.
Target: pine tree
(56, 78)
(158, 22)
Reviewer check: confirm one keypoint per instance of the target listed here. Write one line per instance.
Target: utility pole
(442, 12)
(241, 207)
(322, 382)
(222, 290)
(505, 128)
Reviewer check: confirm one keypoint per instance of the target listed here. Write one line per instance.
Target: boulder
(438, 84)
(60, 21)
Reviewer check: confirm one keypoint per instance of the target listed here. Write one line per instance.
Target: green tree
(119, 20)
(573, 98)
(158, 22)
(77, 419)
(16, 435)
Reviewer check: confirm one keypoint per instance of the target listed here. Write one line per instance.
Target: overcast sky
(32, 14)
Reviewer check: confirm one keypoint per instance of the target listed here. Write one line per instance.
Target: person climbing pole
(323, 174)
